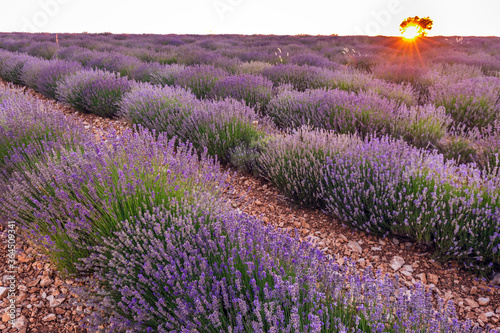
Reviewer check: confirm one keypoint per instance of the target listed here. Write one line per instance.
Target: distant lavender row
(321, 51)
(409, 84)
(100, 92)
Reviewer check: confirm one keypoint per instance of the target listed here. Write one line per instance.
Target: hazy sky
(347, 17)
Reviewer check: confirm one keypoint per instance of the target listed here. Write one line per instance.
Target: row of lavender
(464, 128)
(96, 52)
(143, 216)
(467, 129)
(369, 53)
(378, 185)
(386, 58)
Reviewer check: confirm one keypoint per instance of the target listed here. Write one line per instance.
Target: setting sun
(414, 27)
(411, 32)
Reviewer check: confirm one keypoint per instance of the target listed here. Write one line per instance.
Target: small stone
(395, 241)
(497, 310)
(21, 298)
(57, 282)
(397, 262)
(258, 203)
(407, 268)
(473, 290)
(483, 318)
(33, 283)
(21, 324)
(448, 295)
(265, 219)
(24, 259)
(353, 245)
(5, 317)
(49, 317)
(472, 303)
(4, 291)
(34, 290)
(342, 238)
(483, 301)
(45, 281)
(470, 315)
(53, 302)
(60, 311)
(422, 278)
(406, 273)
(432, 278)
(496, 279)
(376, 248)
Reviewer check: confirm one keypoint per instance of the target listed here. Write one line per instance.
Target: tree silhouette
(424, 24)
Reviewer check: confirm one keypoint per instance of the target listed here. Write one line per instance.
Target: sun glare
(411, 32)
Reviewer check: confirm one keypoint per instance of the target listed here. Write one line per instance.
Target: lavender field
(391, 137)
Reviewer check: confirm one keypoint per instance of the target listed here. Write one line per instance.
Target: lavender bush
(115, 62)
(220, 126)
(75, 198)
(382, 186)
(217, 126)
(294, 163)
(44, 75)
(189, 268)
(162, 109)
(166, 75)
(93, 91)
(29, 128)
(362, 113)
(253, 67)
(422, 126)
(200, 79)
(11, 66)
(31, 71)
(336, 110)
(301, 77)
(70, 52)
(311, 59)
(143, 72)
(255, 91)
(44, 50)
(473, 102)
